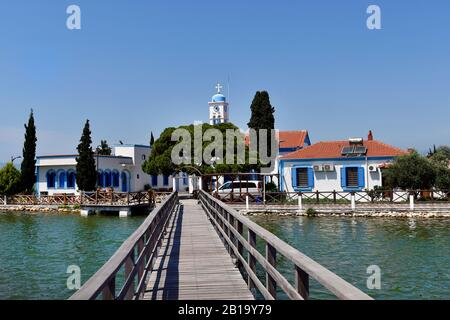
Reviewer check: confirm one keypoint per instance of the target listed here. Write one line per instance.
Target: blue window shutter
(310, 178)
(62, 180)
(294, 177)
(343, 178)
(361, 178)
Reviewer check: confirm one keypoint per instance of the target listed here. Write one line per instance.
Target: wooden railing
(88, 198)
(333, 197)
(231, 226)
(136, 256)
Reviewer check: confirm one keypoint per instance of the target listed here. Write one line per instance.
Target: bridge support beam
(353, 202)
(125, 213)
(87, 212)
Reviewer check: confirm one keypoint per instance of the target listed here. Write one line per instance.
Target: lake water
(35, 250)
(412, 254)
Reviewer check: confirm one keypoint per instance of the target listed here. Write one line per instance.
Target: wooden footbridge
(190, 249)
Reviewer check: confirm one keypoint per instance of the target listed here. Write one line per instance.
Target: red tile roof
(293, 139)
(289, 139)
(332, 149)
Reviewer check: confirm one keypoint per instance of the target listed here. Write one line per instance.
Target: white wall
(329, 181)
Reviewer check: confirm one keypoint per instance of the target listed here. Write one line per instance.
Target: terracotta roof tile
(289, 139)
(293, 139)
(332, 149)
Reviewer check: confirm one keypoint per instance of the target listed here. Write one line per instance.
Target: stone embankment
(369, 214)
(38, 209)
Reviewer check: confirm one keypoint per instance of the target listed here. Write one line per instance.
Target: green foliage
(86, 171)
(442, 151)
(310, 212)
(271, 187)
(28, 166)
(262, 116)
(411, 172)
(10, 180)
(104, 149)
(376, 193)
(440, 159)
(160, 161)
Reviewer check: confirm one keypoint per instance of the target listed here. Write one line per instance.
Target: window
(100, 180)
(124, 178)
(51, 180)
(62, 180)
(165, 180)
(71, 178)
(143, 157)
(302, 177)
(115, 179)
(352, 177)
(107, 179)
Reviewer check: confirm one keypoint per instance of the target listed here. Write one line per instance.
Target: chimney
(370, 136)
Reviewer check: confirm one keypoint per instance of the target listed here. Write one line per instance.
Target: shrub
(310, 212)
(9, 180)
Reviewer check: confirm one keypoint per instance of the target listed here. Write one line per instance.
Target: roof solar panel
(360, 150)
(347, 151)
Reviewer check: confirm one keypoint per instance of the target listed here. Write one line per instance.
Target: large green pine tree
(262, 115)
(28, 166)
(86, 171)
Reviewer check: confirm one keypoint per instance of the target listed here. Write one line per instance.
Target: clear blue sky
(141, 66)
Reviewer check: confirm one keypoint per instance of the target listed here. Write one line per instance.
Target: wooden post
(109, 291)
(317, 197)
(302, 282)
(112, 197)
(96, 196)
(240, 230)
(334, 197)
(271, 257)
(251, 259)
(129, 264)
(65, 199)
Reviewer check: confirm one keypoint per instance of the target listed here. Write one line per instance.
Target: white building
(121, 171)
(352, 165)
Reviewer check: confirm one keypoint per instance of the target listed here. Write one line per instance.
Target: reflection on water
(413, 254)
(35, 250)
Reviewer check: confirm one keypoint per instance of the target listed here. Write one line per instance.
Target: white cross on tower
(219, 87)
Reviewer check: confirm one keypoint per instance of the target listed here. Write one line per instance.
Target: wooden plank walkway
(193, 262)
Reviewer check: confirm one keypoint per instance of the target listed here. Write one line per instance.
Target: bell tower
(218, 107)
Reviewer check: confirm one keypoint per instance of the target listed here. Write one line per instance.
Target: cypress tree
(152, 139)
(28, 166)
(262, 115)
(86, 171)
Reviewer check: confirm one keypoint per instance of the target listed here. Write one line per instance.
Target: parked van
(240, 187)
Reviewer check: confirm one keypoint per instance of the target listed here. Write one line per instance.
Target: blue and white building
(344, 165)
(121, 171)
